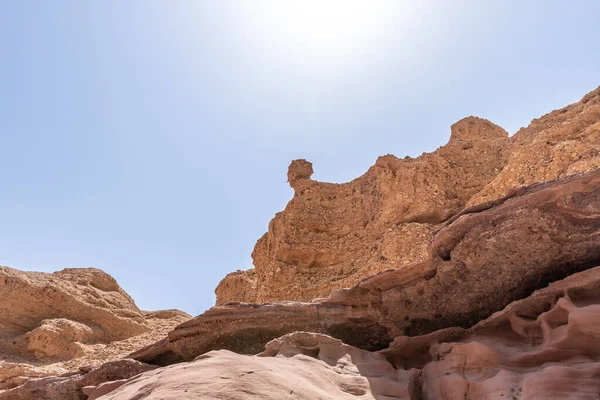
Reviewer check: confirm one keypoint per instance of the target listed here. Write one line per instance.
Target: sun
(325, 24)
(320, 31)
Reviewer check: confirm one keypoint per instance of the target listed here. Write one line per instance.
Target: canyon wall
(330, 236)
(507, 305)
(472, 272)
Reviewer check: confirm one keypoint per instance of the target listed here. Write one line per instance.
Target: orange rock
(480, 261)
(51, 324)
(330, 236)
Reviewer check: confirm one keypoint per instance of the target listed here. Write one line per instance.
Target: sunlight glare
(321, 32)
(326, 24)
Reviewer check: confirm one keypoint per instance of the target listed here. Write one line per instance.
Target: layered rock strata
(498, 300)
(542, 347)
(481, 260)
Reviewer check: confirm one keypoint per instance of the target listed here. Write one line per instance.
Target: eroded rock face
(330, 236)
(51, 324)
(502, 302)
(71, 386)
(480, 261)
(542, 347)
(239, 286)
(300, 366)
(89, 296)
(299, 172)
(562, 143)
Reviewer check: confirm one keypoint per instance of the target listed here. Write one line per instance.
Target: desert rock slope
(480, 261)
(55, 323)
(472, 272)
(330, 236)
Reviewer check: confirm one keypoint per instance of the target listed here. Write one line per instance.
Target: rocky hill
(480, 261)
(330, 236)
(472, 272)
(507, 305)
(52, 324)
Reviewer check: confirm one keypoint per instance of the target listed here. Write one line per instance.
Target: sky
(151, 139)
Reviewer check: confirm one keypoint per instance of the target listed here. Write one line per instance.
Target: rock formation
(330, 236)
(54, 323)
(300, 366)
(78, 384)
(466, 323)
(542, 347)
(472, 272)
(481, 260)
(564, 142)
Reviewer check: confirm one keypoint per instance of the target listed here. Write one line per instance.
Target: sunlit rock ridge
(472, 272)
(330, 236)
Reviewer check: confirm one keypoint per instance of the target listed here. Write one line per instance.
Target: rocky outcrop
(481, 260)
(541, 347)
(239, 286)
(497, 300)
(330, 236)
(562, 143)
(55, 323)
(299, 366)
(78, 384)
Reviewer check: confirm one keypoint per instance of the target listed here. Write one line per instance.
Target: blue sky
(151, 139)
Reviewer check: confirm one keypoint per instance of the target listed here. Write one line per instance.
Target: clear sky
(151, 139)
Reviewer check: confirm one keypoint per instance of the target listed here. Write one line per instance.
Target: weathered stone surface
(562, 143)
(95, 392)
(70, 386)
(542, 347)
(300, 366)
(503, 300)
(299, 171)
(481, 260)
(88, 296)
(51, 324)
(330, 236)
(239, 286)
